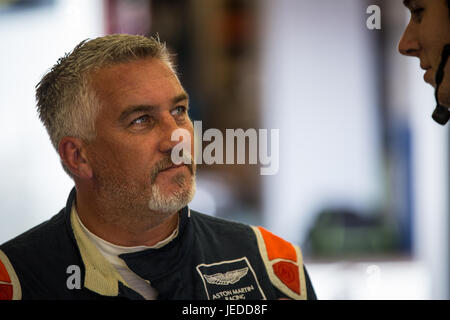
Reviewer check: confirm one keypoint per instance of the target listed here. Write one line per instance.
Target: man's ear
(73, 155)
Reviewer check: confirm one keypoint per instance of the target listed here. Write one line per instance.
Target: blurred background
(363, 180)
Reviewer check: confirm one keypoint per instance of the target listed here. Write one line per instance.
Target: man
(110, 108)
(425, 37)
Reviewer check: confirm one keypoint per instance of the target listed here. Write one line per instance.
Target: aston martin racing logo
(230, 280)
(230, 277)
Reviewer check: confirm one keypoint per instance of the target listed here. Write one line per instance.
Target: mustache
(166, 163)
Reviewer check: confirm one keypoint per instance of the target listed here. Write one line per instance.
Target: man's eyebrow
(180, 97)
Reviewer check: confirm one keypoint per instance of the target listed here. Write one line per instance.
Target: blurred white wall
(371, 280)
(431, 185)
(317, 88)
(33, 186)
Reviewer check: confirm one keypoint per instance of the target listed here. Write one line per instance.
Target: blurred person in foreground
(427, 37)
(110, 108)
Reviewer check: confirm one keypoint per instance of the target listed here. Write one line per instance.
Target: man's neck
(107, 223)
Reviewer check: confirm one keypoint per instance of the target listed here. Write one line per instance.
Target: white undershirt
(111, 252)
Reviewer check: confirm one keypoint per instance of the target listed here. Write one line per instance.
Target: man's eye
(141, 120)
(180, 110)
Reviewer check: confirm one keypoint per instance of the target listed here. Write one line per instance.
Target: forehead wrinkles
(134, 78)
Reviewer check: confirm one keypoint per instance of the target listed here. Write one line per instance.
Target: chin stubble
(129, 205)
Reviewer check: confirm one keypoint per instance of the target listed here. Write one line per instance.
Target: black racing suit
(210, 258)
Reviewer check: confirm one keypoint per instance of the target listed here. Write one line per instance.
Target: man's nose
(167, 126)
(409, 44)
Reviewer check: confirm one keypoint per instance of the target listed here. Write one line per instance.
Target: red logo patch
(6, 291)
(4, 276)
(288, 273)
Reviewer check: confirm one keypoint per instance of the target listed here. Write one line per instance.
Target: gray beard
(134, 207)
(175, 201)
(127, 208)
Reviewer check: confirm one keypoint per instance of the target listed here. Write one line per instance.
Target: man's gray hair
(66, 102)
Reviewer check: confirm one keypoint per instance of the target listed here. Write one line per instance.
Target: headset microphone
(441, 114)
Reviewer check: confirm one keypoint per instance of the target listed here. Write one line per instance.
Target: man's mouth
(167, 166)
(425, 66)
(428, 76)
(173, 166)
